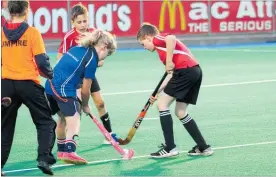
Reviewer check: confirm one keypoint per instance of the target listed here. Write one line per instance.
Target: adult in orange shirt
(23, 60)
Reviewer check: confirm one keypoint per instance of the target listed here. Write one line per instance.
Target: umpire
(23, 60)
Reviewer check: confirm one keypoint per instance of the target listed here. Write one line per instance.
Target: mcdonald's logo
(171, 5)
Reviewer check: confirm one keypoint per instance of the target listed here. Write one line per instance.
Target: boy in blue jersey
(77, 66)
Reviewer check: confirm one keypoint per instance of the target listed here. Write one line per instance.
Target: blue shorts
(67, 106)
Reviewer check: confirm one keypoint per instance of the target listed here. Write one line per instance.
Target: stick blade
(123, 142)
(129, 153)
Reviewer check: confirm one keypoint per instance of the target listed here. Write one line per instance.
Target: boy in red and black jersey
(181, 85)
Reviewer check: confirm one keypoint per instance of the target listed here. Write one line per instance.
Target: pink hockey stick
(126, 153)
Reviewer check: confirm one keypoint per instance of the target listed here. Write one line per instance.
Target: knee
(162, 107)
(100, 104)
(181, 113)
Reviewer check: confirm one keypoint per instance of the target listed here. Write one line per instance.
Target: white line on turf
(204, 86)
(143, 156)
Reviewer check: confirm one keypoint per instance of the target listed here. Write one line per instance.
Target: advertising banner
(119, 17)
(178, 17)
(241, 16)
(52, 17)
(274, 15)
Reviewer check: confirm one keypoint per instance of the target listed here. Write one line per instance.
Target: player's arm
(41, 58)
(89, 75)
(170, 45)
(63, 47)
(85, 91)
(165, 82)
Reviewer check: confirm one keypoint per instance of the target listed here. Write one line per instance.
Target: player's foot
(45, 167)
(164, 152)
(197, 152)
(60, 155)
(73, 158)
(114, 136)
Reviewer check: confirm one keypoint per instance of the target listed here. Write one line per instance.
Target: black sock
(167, 127)
(193, 130)
(106, 122)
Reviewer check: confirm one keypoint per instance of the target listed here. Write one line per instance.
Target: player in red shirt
(5, 15)
(181, 85)
(79, 18)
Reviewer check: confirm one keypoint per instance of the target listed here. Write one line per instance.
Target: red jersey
(182, 57)
(70, 40)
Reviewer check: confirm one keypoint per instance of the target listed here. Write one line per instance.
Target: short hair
(147, 29)
(18, 7)
(77, 10)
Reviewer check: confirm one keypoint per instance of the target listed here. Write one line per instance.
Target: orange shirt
(18, 57)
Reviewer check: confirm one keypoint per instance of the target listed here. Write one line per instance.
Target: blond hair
(98, 37)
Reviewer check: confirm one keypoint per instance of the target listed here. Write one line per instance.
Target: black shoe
(45, 167)
(164, 152)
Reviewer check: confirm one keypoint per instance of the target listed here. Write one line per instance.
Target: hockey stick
(141, 116)
(6, 102)
(126, 153)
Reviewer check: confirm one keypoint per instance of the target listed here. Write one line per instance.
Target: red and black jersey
(182, 57)
(69, 40)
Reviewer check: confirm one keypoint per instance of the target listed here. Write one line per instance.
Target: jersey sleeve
(38, 46)
(90, 68)
(65, 44)
(60, 49)
(3, 20)
(159, 41)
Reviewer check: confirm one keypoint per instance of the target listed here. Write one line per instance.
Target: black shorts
(185, 85)
(95, 87)
(68, 108)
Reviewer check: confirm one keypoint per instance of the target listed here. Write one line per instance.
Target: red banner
(179, 17)
(119, 17)
(241, 16)
(274, 15)
(174, 16)
(51, 17)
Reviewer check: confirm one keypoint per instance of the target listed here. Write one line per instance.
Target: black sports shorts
(95, 87)
(185, 84)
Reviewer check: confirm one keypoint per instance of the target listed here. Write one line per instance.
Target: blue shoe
(114, 136)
